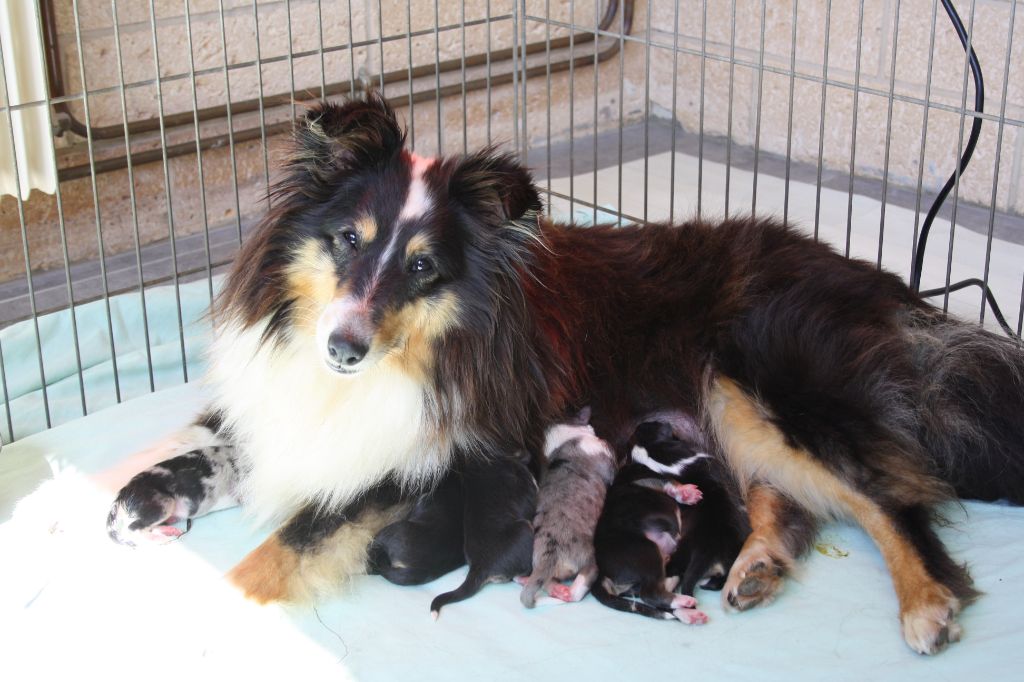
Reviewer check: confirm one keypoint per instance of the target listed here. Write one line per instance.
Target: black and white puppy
(713, 531)
(500, 500)
(638, 533)
(427, 543)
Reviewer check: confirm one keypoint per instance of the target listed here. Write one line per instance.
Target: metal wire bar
(622, 97)
(732, 79)
(437, 76)
(380, 43)
(320, 44)
(789, 112)
(412, 101)
(58, 196)
(7, 398)
(259, 85)
(760, 97)
(597, 73)
(924, 134)
(821, 118)
(995, 172)
(958, 170)
(547, 79)
(647, 109)
(291, 56)
(888, 131)
(618, 215)
(703, 74)
(675, 98)
(25, 249)
(572, 110)
(351, 54)
(523, 78)
(230, 123)
(101, 249)
(465, 123)
(853, 130)
(168, 200)
(199, 157)
(488, 58)
(811, 78)
(131, 196)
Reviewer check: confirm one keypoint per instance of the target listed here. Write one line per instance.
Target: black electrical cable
(972, 141)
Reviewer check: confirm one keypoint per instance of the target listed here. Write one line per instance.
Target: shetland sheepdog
(395, 316)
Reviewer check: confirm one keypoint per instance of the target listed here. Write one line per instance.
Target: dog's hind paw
(754, 580)
(930, 625)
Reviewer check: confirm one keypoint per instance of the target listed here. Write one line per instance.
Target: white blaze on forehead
(417, 201)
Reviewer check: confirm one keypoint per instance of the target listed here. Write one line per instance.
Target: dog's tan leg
(780, 532)
(311, 555)
(778, 479)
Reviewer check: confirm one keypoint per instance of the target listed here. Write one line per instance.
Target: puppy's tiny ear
(361, 132)
(583, 416)
(494, 186)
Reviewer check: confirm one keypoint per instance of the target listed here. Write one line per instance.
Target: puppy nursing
(581, 466)
(667, 524)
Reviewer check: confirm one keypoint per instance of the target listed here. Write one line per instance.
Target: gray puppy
(581, 466)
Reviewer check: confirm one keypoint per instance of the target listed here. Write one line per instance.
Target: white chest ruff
(307, 435)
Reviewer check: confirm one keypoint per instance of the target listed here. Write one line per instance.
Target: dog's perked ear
(357, 134)
(493, 186)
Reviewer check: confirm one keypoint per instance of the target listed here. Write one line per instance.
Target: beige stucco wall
(141, 101)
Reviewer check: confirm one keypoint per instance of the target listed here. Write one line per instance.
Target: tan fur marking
(418, 244)
(366, 228)
(413, 328)
(757, 451)
(273, 572)
(265, 573)
(312, 282)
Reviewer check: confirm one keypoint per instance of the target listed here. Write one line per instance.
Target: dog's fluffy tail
(627, 604)
(971, 407)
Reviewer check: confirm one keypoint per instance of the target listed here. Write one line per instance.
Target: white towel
(24, 78)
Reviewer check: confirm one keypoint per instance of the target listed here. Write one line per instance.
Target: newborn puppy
(581, 467)
(638, 533)
(426, 544)
(500, 499)
(713, 531)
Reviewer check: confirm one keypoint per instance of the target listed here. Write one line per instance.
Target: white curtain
(24, 79)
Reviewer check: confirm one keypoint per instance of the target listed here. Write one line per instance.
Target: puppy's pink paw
(560, 592)
(690, 616)
(684, 493)
(683, 601)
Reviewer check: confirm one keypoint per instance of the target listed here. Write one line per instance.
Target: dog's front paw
(144, 513)
(756, 577)
(684, 493)
(929, 624)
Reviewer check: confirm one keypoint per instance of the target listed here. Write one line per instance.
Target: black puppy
(713, 531)
(639, 531)
(500, 502)
(426, 544)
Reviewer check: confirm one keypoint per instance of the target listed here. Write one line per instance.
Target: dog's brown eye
(422, 266)
(351, 237)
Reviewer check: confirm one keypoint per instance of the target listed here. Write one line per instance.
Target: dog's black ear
(494, 186)
(359, 133)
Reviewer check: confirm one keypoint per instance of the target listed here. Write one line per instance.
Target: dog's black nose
(345, 350)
